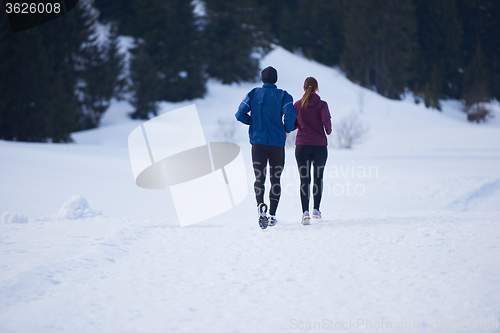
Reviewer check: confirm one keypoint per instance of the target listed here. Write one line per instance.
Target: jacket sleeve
(325, 118)
(296, 123)
(289, 113)
(243, 110)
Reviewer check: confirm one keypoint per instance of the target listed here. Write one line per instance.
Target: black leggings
(276, 157)
(305, 155)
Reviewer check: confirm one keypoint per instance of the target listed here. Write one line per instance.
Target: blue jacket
(271, 115)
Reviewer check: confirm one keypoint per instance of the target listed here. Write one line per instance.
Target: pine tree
(120, 12)
(476, 90)
(4, 68)
(289, 27)
(233, 40)
(480, 20)
(180, 58)
(71, 39)
(380, 44)
(437, 62)
(24, 72)
(99, 80)
(313, 28)
(167, 59)
(326, 18)
(318, 29)
(267, 16)
(357, 58)
(46, 76)
(145, 84)
(432, 89)
(476, 79)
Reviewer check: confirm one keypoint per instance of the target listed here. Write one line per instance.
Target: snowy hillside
(410, 230)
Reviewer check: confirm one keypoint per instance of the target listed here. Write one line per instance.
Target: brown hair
(310, 85)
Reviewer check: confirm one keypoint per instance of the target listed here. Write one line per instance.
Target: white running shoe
(262, 212)
(306, 219)
(316, 214)
(272, 220)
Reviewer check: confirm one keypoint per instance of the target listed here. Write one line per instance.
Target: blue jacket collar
(269, 85)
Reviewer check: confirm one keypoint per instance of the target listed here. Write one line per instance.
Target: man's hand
(286, 134)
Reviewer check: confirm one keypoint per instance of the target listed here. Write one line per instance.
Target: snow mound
(76, 208)
(11, 217)
(485, 198)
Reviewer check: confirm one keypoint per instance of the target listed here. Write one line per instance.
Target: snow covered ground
(410, 235)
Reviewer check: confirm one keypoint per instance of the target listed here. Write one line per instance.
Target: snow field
(105, 275)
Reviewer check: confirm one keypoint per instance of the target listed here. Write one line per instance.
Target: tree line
(433, 49)
(60, 77)
(56, 78)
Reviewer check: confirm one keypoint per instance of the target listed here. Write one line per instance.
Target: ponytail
(310, 85)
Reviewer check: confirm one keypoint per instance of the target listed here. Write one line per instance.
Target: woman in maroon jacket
(313, 120)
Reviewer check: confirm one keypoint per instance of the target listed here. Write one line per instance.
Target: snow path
(157, 277)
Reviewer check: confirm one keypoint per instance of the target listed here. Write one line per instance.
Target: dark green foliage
(437, 60)
(481, 22)
(313, 28)
(325, 41)
(475, 86)
(99, 81)
(168, 59)
(54, 79)
(380, 44)
(4, 69)
(179, 56)
(268, 16)
(57, 78)
(39, 82)
(394, 46)
(23, 72)
(118, 11)
(391, 46)
(357, 58)
(233, 41)
(145, 84)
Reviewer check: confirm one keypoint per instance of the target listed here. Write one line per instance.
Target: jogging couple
(271, 114)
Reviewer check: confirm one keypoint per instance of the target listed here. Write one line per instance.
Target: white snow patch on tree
(199, 9)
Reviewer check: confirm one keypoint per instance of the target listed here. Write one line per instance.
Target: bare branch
(350, 131)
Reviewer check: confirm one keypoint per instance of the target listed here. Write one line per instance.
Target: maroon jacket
(312, 122)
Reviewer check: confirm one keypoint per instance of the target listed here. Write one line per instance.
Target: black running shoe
(262, 212)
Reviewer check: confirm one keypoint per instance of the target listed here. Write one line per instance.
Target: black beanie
(269, 75)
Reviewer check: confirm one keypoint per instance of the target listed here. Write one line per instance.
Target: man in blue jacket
(270, 113)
